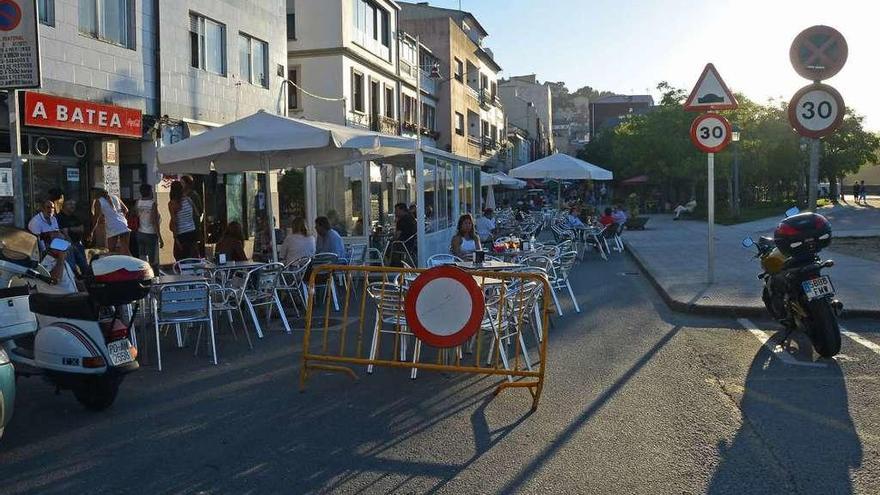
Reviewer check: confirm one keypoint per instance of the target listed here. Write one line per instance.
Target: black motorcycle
(795, 292)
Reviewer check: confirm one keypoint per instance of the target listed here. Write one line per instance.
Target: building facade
(608, 111)
(470, 115)
(167, 69)
(529, 106)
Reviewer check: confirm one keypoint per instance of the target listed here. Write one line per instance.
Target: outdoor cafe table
(225, 269)
(488, 265)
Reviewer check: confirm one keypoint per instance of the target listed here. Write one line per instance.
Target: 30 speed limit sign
(816, 110)
(710, 133)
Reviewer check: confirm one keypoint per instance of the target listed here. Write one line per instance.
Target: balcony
(489, 145)
(473, 93)
(428, 85)
(486, 99)
(357, 119)
(475, 141)
(497, 102)
(385, 125)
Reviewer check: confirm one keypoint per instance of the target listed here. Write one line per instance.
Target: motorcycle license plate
(120, 352)
(818, 287)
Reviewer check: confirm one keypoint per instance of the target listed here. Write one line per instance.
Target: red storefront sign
(42, 110)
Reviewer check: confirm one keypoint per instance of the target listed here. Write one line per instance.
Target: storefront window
(339, 197)
(405, 186)
(429, 177)
(381, 196)
(466, 189)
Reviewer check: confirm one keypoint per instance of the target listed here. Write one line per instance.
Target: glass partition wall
(363, 210)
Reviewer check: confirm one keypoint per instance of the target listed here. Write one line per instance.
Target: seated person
(486, 225)
(465, 241)
(688, 207)
(573, 219)
(232, 243)
(606, 219)
(328, 240)
(63, 279)
(619, 215)
(298, 244)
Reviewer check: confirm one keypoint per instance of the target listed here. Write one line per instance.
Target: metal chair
(326, 281)
(186, 302)
(545, 264)
(293, 282)
(561, 268)
(389, 299)
(226, 300)
(260, 287)
(190, 266)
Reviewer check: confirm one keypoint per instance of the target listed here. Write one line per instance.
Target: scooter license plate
(120, 352)
(818, 287)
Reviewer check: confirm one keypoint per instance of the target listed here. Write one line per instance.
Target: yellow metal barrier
(335, 341)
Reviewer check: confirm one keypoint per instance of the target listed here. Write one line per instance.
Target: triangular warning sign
(710, 93)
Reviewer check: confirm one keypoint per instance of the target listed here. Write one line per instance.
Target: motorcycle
(75, 340)
(795, 292)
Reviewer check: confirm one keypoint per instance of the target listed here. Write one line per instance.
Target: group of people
(860, 194)
(610, 216)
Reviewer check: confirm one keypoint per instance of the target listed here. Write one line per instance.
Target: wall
(189, 93)
(79, 66)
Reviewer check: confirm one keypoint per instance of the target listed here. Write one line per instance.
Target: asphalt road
(637, 400)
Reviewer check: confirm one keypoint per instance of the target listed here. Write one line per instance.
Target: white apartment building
(178, 66)
(529, 106)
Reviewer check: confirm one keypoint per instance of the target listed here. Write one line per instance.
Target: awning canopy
(561, 166)
(242, 146)
(500, 179)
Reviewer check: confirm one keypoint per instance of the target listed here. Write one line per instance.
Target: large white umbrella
(560, 166)
(264, 142)
(500, 179)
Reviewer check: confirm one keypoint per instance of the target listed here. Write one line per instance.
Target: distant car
(7, 390)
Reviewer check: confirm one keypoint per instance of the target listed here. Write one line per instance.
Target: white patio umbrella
(264, 142)
(509, 182)
(560, 166)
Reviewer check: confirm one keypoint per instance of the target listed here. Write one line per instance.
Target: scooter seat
(77, 306)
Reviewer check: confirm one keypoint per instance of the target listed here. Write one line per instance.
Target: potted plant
(634, 222)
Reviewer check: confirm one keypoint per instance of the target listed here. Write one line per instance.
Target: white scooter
(76, 340)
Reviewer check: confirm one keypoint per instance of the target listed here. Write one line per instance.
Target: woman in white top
(112, 211)
(465, 241)
(149, 240)
(299, 244)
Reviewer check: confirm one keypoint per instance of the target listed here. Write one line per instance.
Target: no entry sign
(444, 306)
(710, 133)
(816, 110)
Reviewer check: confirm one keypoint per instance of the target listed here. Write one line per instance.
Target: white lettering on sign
(39, 111)
(61, 113)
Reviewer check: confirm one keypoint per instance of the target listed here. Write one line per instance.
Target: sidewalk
(674, 257)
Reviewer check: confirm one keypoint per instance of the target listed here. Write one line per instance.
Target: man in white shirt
(44, 221)
(62, 274)
(486, 225)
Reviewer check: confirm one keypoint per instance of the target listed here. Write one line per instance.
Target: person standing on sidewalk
(856, 192)
(112, 211)
(149, 240)
(190, 192)
(183, 214)
(863, 194)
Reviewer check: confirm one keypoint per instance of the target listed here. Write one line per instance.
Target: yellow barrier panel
(514, 301)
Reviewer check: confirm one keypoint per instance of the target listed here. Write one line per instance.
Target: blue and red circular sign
(444, 306)
(10, 15)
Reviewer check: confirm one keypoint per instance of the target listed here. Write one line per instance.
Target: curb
(722, 310)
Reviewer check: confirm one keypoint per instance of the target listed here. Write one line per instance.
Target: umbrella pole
(270, 210)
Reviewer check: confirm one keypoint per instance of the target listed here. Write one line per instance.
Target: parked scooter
(795, 292)
(75, 340)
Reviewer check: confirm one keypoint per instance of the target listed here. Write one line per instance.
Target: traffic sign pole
(711, 201)
(812, 190)
(15, 158)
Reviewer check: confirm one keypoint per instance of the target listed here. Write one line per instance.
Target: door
(375, 104)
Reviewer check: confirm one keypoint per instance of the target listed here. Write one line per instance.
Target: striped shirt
(185, 222)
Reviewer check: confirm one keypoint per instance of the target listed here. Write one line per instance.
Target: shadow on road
(797, 435)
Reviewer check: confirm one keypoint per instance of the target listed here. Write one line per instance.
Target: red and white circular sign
(444, 306)
(816, 110)
(710, 133)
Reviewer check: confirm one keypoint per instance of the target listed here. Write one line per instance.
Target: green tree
(847, 149)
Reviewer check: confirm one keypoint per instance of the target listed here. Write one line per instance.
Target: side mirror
(59, 244)
(792, 211)
(748, 242)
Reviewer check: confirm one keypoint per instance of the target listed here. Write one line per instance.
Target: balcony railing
(356, 119)
(385, 125)
(473, 93)
(488, 144)
(486, 99)
(475, 141)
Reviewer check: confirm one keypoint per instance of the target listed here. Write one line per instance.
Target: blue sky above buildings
(630, 45)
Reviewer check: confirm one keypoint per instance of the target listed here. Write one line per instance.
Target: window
(338, 196)
(372, 21)
(484, 128)
(293, 91)
(357, 92)
(459, 70)
(484, 81)
(408, 109)
(459, 124)
(389, 102)
(207, 44)
(428, 116)
(106, 20)
(47, 12)
(494, 133)
(291, 19)
(253, 60)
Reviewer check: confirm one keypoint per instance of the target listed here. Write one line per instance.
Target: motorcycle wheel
(97, 393)
(825, 331)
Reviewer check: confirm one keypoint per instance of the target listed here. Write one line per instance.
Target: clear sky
(628, 46)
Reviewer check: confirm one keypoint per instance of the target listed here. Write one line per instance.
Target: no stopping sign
(444, 306)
